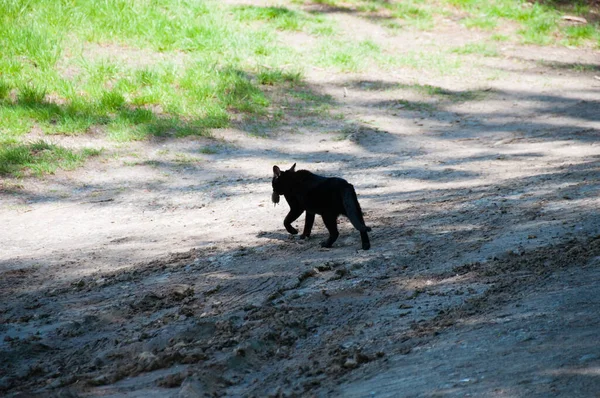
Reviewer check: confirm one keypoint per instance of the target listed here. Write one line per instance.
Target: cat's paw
(325, 243)
(292, 230)
(366, 246)
(304, 236)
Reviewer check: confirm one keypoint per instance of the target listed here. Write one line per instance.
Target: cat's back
(327, 185)
(306, 177)
(314, 184)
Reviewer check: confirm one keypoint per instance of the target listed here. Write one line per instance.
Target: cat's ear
(276, 171)
(293, 168)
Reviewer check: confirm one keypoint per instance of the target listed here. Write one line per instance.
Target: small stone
(100, 380)
(350, 363)
(147, 361)
(240, 352)
(124, 277)
(180, 292)
(361, 358)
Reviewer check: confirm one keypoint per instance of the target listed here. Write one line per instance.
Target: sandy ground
(166, 271)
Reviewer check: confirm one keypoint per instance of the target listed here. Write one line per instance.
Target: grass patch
(578, 35)
(423, 89)
(198, 99)
(483, 22)
(283, 18)
(272, 77)
(307, 104)
(131, 85)
(185, 159)
(449, 95)
(499, 37)
(348, 56)
(419, 106)
(540, 22)
(487, 50)
(209, 150)
(40, 157)
(415, 13)
(576, 67)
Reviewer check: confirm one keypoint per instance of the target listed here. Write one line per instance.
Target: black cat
(329, 197)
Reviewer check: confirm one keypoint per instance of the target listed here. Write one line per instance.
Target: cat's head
(281, 182)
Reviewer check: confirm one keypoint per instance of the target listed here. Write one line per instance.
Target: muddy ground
(166, 271)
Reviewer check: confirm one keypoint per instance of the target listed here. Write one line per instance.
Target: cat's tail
(353, 210)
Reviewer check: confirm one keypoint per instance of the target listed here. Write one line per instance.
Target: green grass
(578, 35)
(40, 157)
(283, 18)
(185, 159)
(480, 21)
(209, 85)
(426, 90)
(448, 95)
(576, 67)
(348, 56)
(499, 37)
(272, 77)
(416, 13)
(540, 23)
(131, 70)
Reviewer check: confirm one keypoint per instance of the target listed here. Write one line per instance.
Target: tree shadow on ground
(305, 101)
(441, 104)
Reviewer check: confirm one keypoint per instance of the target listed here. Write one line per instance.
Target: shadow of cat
(274, 235)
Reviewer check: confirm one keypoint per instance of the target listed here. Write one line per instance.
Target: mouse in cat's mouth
(275, 198)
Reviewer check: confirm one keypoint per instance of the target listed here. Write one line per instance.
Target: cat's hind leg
(308, 224)
(331, 224)
(354, 214)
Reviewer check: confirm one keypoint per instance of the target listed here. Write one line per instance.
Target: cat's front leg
(290, 218)
(308, 224)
